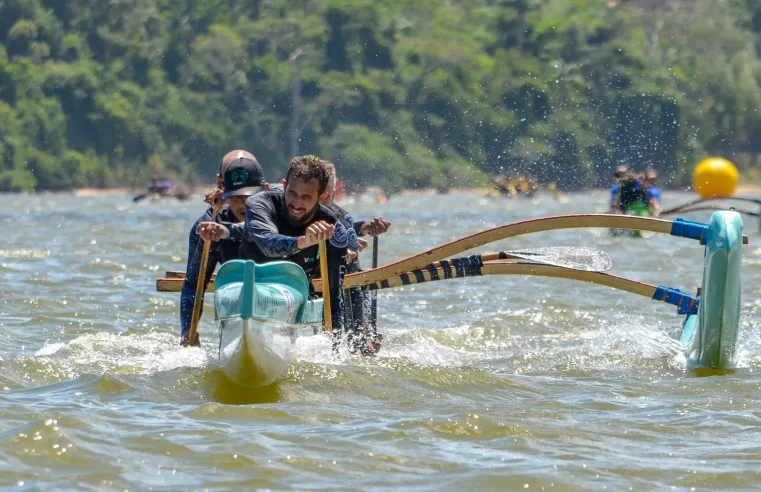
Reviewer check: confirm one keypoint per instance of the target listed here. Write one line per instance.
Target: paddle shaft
(201, 283)
(327, 315)
(374, 295)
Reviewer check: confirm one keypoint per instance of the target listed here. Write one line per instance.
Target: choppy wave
(483, 383)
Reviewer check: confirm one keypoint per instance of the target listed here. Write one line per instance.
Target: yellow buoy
(715, 176)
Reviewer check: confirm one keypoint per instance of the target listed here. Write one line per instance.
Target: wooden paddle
(142, 197)
(327, 315)
(201, 283)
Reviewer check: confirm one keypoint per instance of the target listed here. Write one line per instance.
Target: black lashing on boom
(433, 271)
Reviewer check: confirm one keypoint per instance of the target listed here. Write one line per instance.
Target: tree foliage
(399, 93)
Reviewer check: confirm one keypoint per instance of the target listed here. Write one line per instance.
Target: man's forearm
(274, 245)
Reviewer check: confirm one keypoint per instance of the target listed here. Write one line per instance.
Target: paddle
(374, 295)
(327, 315)
(201, 283)
(573, 257)
(140, 197)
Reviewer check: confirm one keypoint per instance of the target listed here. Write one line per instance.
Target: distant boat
(164, 188)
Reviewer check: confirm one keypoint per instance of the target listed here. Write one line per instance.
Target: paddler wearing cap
(240, 176)
(289, 224)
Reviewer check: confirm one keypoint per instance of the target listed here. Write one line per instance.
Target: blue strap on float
(684, 302)
(691, 230)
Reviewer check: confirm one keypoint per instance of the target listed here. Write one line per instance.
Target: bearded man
(290, 224)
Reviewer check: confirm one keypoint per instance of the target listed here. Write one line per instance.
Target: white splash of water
(108, 352)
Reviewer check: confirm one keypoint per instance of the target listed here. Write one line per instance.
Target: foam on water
(114, 353)
(491, 383)
(749, 343)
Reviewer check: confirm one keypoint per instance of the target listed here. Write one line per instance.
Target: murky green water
(487, 383)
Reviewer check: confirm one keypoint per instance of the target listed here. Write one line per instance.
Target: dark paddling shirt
(220, 252)
(268, 235)
(632, 193)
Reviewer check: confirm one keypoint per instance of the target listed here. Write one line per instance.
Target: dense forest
(398, 93)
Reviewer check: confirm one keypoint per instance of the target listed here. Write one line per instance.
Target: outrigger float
(262, 309)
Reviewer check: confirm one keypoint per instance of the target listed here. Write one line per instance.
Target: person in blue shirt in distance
(618, 175)
(653, 192)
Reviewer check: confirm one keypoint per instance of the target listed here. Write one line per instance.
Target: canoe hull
(261, 310)
(255, 352)
(709, 338)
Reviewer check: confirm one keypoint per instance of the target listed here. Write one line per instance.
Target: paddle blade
(573, 257)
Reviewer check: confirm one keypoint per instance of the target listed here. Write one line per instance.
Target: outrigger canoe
(262, 309)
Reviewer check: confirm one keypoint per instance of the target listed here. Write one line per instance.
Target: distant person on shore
(162, 187)
(240, 176)
(359, 302)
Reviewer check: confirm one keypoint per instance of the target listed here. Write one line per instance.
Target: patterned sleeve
(344, 237)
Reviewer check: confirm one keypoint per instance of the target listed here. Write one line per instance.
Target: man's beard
(304, 220)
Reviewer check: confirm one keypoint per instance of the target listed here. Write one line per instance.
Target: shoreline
(742, 190)
(197, 190)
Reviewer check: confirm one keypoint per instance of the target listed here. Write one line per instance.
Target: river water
(482, 383)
